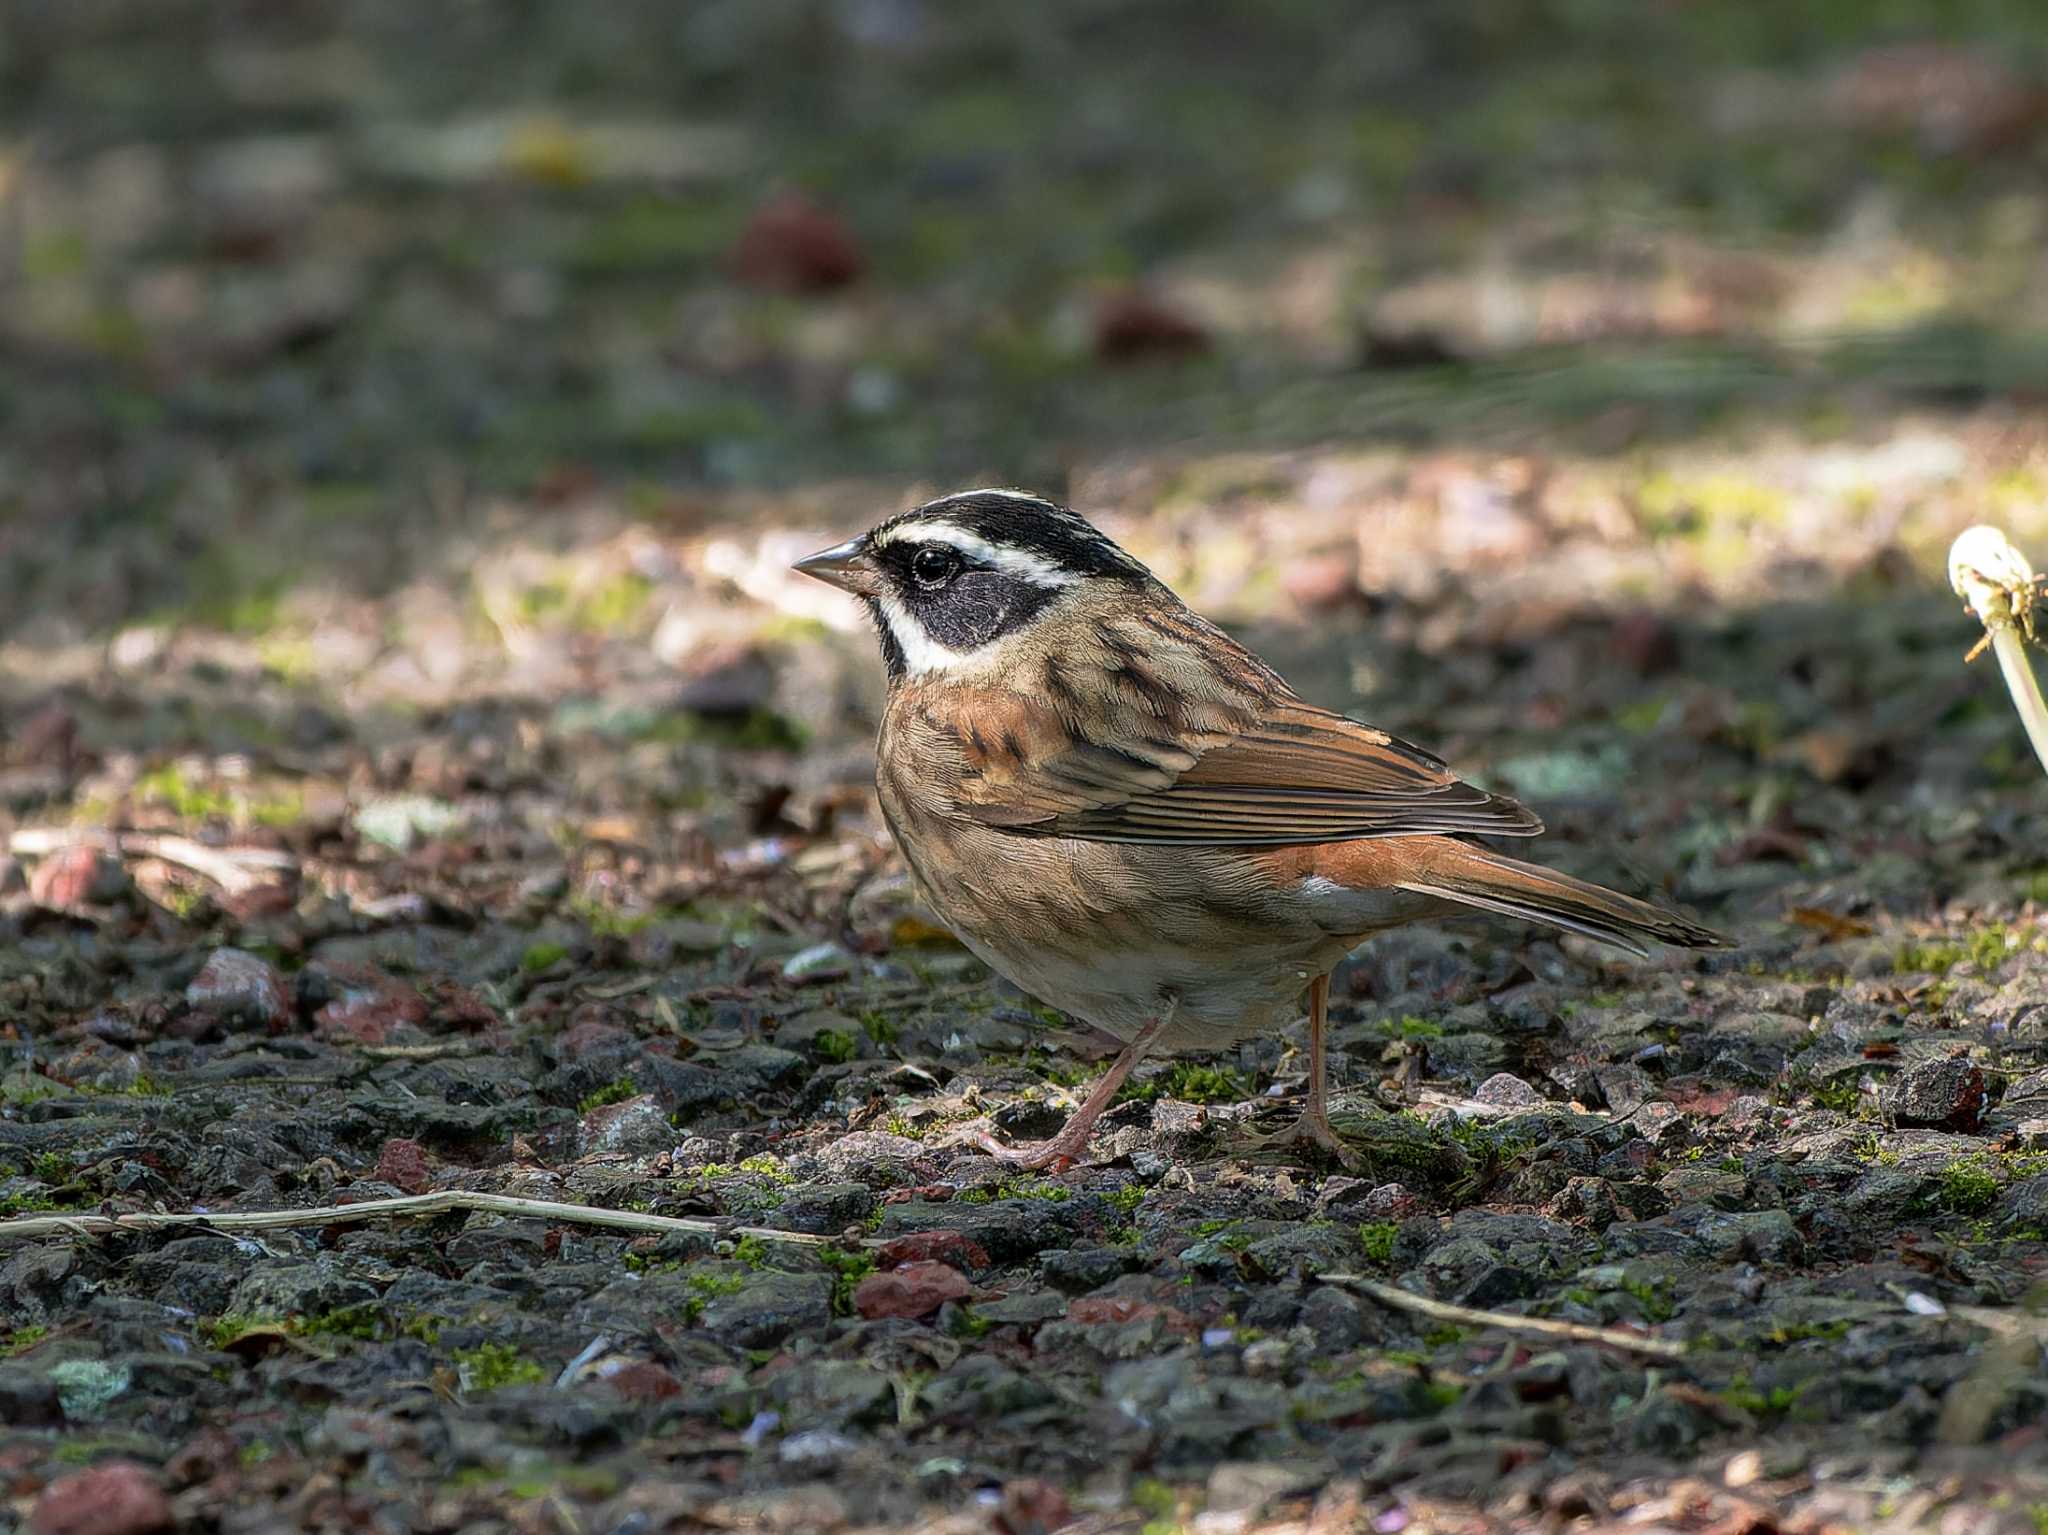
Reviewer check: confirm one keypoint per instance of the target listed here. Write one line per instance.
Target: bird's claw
(1311, 1129)
(1056, 1155)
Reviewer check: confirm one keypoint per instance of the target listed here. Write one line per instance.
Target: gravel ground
(420, 775)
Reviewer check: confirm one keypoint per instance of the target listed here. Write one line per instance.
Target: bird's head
(953, 583)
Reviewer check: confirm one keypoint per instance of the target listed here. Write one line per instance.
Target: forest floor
(420, 771)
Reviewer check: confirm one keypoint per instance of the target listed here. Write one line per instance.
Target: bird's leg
(1314, 1125)
(1067, 1147)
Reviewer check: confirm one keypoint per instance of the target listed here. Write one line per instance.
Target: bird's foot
(1311, 1129)
(1055, 1154)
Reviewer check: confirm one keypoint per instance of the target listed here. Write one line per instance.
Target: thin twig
(1996, 581)
(1444, 1311)
(88, 1225)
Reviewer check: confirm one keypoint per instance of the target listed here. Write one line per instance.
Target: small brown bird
(1134, 818)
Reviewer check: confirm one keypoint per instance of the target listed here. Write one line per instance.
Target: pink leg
(1067, 1147)
(1313, 1127)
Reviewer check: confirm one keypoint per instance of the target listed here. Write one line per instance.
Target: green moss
(1927, 958)
(1442, 1394)
(1153, 1497)
(223, 1330)
(617, 1091)
(22, 1339)
(848, 1270)
(715, 1286)
(542, 956)
(1653, 1296)
(1377, 1237)
(878, 1026)
(1015, 1188)
(493, 1366)
(835, 1045)
(1969, 1186)
(1190, 1082)
(1127, 1199)
(1769, 1405)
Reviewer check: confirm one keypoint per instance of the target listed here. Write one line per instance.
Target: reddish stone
(1121, 1310)
(914, 1290)
(403, 1164)
(75, 877)
(118, 1498)
(794, 246)
(1132, 326)
(455, 1006)
(1644, 643)
(644, 1381)
(271, 899)
(932, 1246)
(1032, 1507)
(371, 1007)
(1697, 1099)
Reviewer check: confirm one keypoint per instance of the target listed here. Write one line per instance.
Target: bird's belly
(1117, 935)
(1215, 1000)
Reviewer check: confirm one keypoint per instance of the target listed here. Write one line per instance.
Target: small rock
(1078, 1270)
(1132, 325)
(1645, 643)
(636, 1127)
(824, 1209)
(953, 1247)
(1268, 1356)
(73, 878)
(771, 1308)
(914, 1290)
(1762, 1236)
(1337, 1320)
(1389, 1202)
(816, 1448)
(117, 1498)
(28, 1398)
(86, 1388)
(794, 246)
(368, 1008)
(820, 962)
(642, 1380)
(2033, 1134)
(1943, 1094)
(241, 990)
(1505, 1090)
(403, 1164)
(874, 1157)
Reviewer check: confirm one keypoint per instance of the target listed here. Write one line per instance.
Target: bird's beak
(843, 565)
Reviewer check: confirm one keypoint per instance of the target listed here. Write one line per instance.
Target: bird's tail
(1475, 876)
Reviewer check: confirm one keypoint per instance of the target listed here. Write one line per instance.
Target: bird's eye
(934, 566)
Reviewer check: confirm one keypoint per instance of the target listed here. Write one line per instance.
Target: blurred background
(425, 403)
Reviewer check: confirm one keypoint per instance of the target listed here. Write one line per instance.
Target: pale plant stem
(93, 1225)
(1995, 579)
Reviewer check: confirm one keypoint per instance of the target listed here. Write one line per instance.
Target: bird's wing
(1125, 750)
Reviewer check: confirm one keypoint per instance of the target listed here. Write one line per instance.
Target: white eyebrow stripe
(1003, 557)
